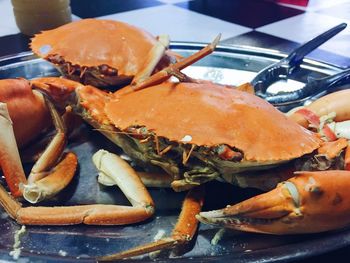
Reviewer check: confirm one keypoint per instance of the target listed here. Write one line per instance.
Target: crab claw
(310, 202)
(58, 89)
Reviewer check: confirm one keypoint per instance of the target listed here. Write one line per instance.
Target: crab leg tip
(216, 40)
(209, 217)
(182, 233)
(165, 243)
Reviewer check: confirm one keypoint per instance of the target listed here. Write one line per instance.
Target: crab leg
(54, 182)
(53, 151)
(115, 171)
(155, 55)
(128, 181)
(174, 69)
(9, 156)
(68, 215)
(310, 202)
(160, 180)
(44, 188)
(13, 171)
(183, 231)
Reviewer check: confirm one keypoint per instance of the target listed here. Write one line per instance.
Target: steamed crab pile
(194, 131)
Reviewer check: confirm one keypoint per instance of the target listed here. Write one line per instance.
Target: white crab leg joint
(113, 170)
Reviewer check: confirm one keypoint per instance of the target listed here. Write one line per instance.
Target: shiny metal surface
(229, 65)
(285, 67)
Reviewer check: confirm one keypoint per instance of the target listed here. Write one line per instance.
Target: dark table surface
(280, 25)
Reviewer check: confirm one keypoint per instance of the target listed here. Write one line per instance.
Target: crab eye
(45, 49)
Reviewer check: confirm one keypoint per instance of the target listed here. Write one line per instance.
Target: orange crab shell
(92, 42)
(209, 114)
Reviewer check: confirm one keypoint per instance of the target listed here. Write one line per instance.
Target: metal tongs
(286, 66)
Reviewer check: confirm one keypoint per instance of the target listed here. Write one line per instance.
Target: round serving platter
(227, 65)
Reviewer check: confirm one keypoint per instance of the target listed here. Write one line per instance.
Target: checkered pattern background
(278, 24)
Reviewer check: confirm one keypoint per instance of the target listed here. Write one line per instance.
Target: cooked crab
(103, 52)
(201, 131)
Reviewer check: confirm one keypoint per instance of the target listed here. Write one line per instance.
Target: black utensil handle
(297, 55)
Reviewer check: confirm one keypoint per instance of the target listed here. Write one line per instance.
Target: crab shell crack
(213, 115)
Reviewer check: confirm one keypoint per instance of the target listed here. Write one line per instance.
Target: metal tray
(229, 65)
